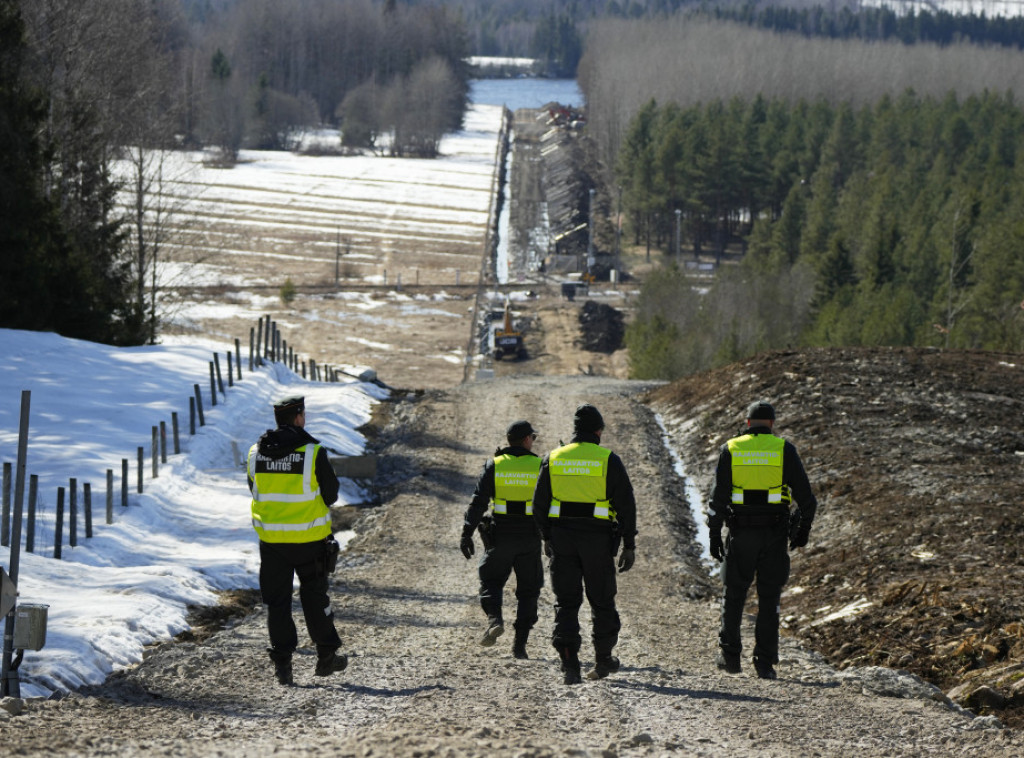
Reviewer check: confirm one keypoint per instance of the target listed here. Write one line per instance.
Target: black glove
(626, 559)
(716, 545)
(466, 545)
(548, 550)
(799, 537)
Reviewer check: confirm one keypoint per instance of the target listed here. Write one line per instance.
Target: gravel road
(420, 684)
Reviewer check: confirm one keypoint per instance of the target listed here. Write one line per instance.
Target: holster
(332, 549)
(615, 538)
(486, 529)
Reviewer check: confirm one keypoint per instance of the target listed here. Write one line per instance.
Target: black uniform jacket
(277, 443)
(484, 493)
(793, 474)
(620, 495)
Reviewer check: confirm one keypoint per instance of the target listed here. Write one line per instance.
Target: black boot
(330, 662)
(570, 665)
(495, 628)
(282, 666)
(519, 645)
(728, 662)
(604, 665)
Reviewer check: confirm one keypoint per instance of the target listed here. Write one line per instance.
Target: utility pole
(618, 229)
(590, 234)
(679, 242)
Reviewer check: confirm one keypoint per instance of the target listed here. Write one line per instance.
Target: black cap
(518, 430)
(761, 410)
(290, 403)
(587, 419)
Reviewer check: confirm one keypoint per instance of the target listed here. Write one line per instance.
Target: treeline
(877, 24)
(687, 61)
(895, 223)
(85, 84)
(258, 73)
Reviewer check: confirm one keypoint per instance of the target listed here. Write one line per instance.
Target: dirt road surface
(899, 445)
(420, 684)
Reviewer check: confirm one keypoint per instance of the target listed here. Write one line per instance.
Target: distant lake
(524, 93)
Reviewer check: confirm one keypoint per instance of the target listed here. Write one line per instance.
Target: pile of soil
(917, 459)
(602, 328)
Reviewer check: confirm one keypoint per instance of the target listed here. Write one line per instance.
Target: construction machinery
(505, 338)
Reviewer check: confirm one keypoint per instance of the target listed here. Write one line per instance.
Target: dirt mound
(917, 458)
(602, 328)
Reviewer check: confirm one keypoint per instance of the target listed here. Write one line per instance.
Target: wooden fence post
(259, 345)
(87, 508)
(73, 513)
(231, 370)
(174, 431)
(154, 453)
(138, 477)
(192, 415)
(216, 365)
(266, 338)
(199, 405)
(5, 515)
(58, 529)
(124, 482)
(110, 496)
(30, 531)
(238, 357)
(163, 442)
(213, 387)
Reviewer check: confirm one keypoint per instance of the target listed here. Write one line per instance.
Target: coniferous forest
(850, 193)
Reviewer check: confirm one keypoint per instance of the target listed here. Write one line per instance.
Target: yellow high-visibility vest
(579, 475)
(515, 477)
(757, 470)
(286, 501)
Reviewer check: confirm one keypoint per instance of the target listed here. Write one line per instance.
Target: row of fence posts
(265, 346)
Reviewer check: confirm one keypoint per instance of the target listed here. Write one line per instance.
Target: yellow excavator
(505, 338)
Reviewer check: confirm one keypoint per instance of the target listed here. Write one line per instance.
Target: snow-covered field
(187, 535)
(281, 214)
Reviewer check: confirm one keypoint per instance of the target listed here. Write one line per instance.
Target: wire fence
(61, 519)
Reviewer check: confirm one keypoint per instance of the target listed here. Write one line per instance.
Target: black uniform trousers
(279, 564)
(760, 552)
(583, 559)
(515, 547)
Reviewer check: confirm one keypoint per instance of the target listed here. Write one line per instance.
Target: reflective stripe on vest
(515, 477)
(579, 475)
(757, 470)
(286, 501)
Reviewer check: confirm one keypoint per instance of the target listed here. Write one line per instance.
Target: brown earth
(917, 458)
(419, 683)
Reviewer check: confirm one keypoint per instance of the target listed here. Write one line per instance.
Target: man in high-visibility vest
(758, 476)
(292, 484)
(502, 509)
(585, 507)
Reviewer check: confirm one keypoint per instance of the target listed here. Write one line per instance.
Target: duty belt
(571, 509)
(513, 508)
(758, 519)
